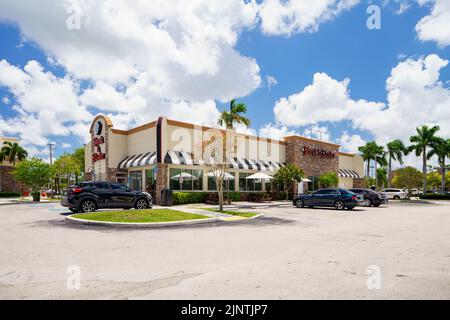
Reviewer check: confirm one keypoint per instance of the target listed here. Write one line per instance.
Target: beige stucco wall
(345, 182)
(87, 157)
(142, 141)
(117, 150)
(354, 162)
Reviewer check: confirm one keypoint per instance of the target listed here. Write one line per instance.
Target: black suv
(371, 197)
(90, 196)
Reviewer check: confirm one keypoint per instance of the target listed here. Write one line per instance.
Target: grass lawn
(149, 215)
(233, 213)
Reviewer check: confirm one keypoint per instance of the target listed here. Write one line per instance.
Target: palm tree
(395, 151)
(369, 152)
(234, 116)
(2, 156)
(424, 138)
(382, 176)
(229, 119)
(14, 152)
(380, 159)
(441, 148)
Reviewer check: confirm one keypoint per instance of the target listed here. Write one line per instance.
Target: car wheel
(141, 203)
(396, 198)
(339, 205)
(299, 203)
(367, 203)
(88, 206)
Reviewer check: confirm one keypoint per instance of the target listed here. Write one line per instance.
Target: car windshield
(345, 191)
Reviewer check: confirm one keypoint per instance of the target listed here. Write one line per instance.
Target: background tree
(369, 152)
(380, 159)
(407, 178)
(441, 148)
(382, 176)
(424, 138)
(395, 151)
(329, 180)
(78, 156)
(14, 152)
(235, 116)
(34, 173)
(286, 175)
(434, 180)
(65, 169)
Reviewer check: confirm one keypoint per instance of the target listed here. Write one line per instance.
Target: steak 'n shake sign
(98, 141)
(318, 153)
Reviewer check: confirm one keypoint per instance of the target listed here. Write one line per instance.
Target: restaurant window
(249, 184)
(135, 178)
(186, 179)
(150, 180)
(314, 184)
(228, 185)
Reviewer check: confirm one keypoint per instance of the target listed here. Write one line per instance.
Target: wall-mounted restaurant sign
(318, 153)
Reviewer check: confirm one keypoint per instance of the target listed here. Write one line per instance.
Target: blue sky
(341, 47)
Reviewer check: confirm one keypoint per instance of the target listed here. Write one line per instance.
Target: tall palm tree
(382, 176)
(2, 156)
(234, 116)
(441, 148)
(424, 138)
(395, 151)
(380, 159)
(369, 152)
(14, 152)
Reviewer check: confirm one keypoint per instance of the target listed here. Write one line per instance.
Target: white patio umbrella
(226, 176)
(184, 175)
(306, 180)
(259, 175)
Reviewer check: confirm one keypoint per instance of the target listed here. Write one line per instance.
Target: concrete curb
(71, 219)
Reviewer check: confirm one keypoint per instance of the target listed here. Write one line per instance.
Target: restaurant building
(171, 154)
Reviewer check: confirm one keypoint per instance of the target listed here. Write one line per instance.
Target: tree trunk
(286, 189)
(389, 172)
(376, 175)
(368, 168)
(443, 169)
(424, 169)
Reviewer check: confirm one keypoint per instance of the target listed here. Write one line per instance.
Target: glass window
(186, 179)
(118, 186)
(228, 185)
(136, 180)
(150, 180)
(249, 184)
(314, 184)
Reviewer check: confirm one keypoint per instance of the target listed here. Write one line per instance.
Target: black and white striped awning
(138, 160)
(186, 158)
(344, 173)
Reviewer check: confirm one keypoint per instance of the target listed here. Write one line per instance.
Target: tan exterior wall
(88, 157)
(6, 162)
(345, 183)
(352, 162)
(138, 142)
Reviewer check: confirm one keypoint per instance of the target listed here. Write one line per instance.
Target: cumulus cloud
(276, 132)
(350, 143)
(436, 25)
(415, 96)
(279, 17)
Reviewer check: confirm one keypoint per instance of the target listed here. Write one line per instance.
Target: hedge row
(189, 197)
(200, 197)
(9, 194)
(436, 196)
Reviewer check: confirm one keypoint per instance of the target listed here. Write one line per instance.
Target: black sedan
(90, 196)
(337, 198)
(371, 197)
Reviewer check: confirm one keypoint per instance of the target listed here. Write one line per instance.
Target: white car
(395, 194)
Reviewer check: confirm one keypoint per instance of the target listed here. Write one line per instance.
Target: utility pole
(51, 145)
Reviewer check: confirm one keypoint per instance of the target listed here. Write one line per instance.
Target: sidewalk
(244, 205)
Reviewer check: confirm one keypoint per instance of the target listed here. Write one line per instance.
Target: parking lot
(289, 253)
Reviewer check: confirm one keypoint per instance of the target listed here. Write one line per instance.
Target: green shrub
(9, 194)
(278, 195)
(189, 197)
(233, 196)
(433, 196)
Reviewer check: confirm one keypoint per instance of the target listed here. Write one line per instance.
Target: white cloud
(66, 145)
(5, 100)
(292, 16)
(271, 81)
(436, 25)
(326, 99)
(350, 143)
(415, 96)
(276, 132)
